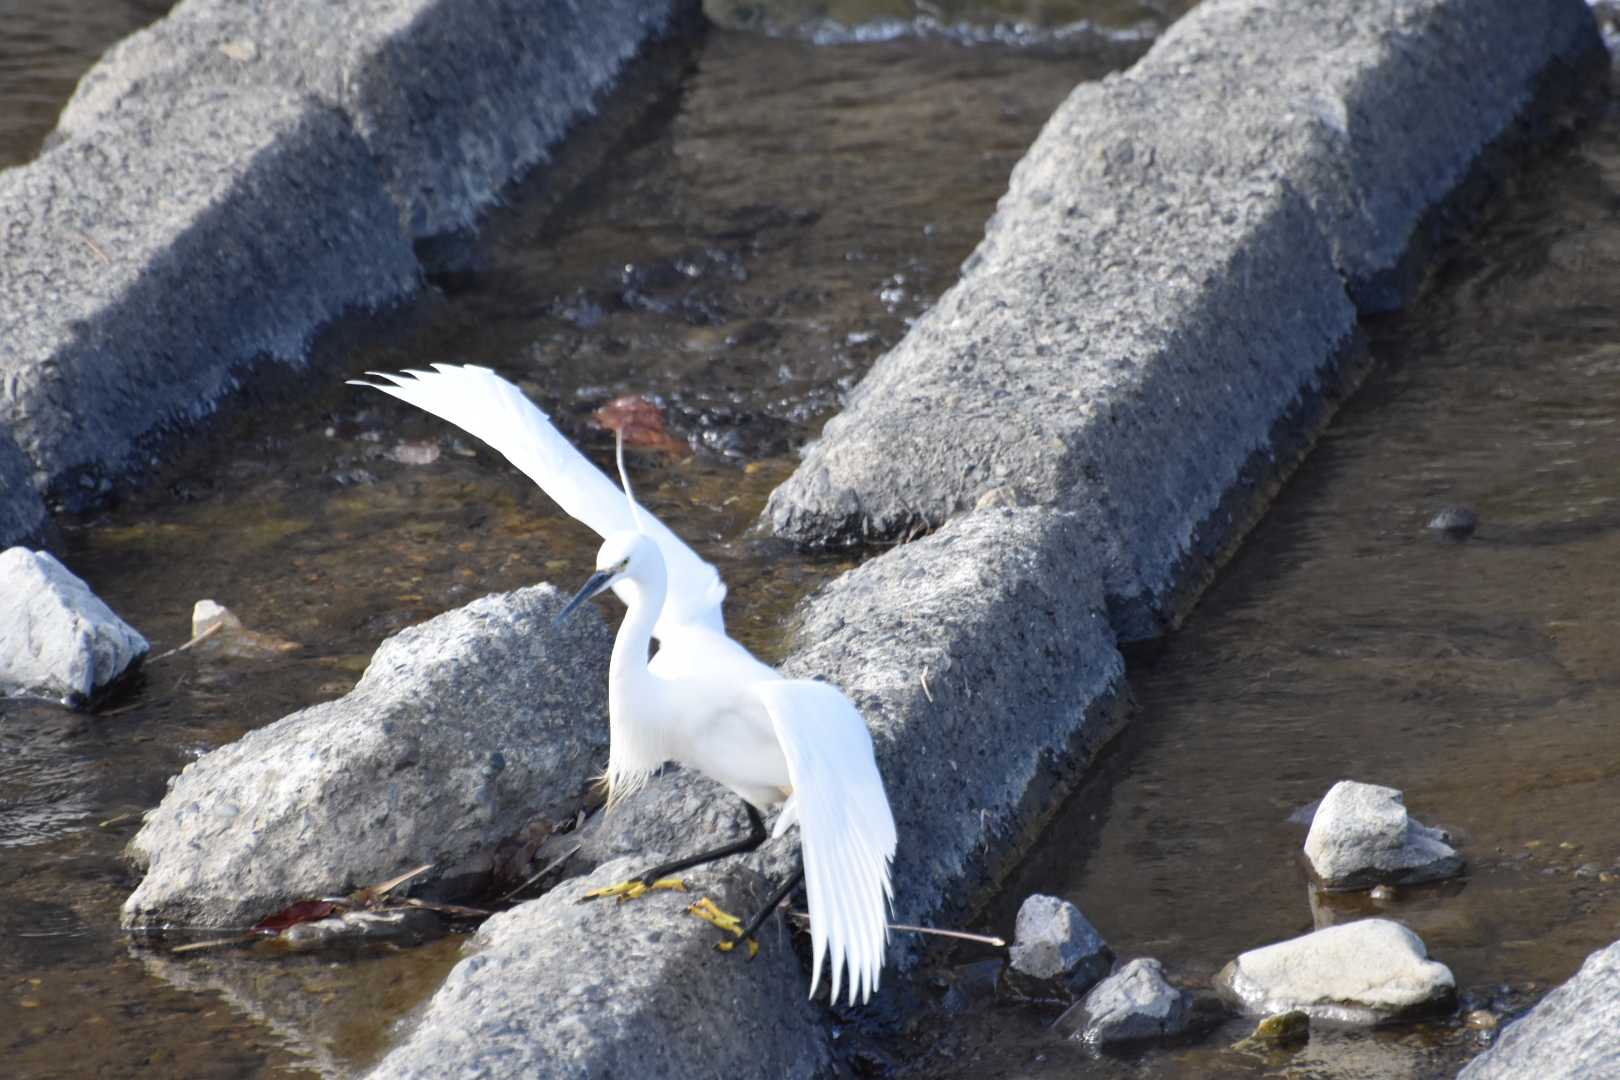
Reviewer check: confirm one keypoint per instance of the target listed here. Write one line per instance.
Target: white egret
(703, 700)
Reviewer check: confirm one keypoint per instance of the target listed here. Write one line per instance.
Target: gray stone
(1362, 836)
(1573, 1032)
(462, 732)
(1055, 946)
(57, 638)
(22, 511)
(1361, 973)
(1457, 522)
(561, 989)
(1161, 285)
(142, 268)
(1132, 1004)
(455, 99)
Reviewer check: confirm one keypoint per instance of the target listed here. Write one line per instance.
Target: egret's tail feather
(846, 830)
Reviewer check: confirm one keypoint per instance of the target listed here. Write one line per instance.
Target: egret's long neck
(635, 721)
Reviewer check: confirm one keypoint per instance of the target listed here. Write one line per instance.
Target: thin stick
(199, 639)
(982, 939)
(558, 861)
(923, 678)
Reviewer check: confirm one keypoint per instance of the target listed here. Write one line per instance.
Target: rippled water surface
(1346, 640)
(736, 243)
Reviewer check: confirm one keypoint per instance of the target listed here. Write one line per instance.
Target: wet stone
(1574, 1031)
(1289, 1028)
(1456, 522)
(1362, 836)
(1056, 953)
(57, 638)
(1133, 1004)
(1359, 974)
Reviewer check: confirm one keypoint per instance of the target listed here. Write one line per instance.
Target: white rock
(57, 638)
(1362, 836)
(1359, 973)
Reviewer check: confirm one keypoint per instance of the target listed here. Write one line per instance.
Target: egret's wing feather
(846, 830)
(485, 405)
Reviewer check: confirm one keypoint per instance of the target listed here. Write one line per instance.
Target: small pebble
(1283, 1029)
(1481, 1020)
(1589, 870)
(1456, 522)
(1383, 892)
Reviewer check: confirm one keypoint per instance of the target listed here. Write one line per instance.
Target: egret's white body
(703, 700)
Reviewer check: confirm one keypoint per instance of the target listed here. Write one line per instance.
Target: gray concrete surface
(22, 511)
(142, 269)
(1573, 1032)
(1167, 275)
(58, 639)
(463, 731)
(652, 997)
(454, 99)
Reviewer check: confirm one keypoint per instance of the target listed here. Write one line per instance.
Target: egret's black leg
(756, 836)
(659, 877)
(776, 899)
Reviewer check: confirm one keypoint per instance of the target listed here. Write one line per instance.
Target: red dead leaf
(640, 422)
(303, 911)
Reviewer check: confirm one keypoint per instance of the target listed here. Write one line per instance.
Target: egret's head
(622, 555)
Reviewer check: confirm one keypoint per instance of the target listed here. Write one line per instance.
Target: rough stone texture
(1162, 280)
(1054, 944)
(1360, 973)
(140, 268)
(1361, 836)
(654, 999)
(1574, 1031)
(455, 99)
(461, 732)
(57, 638)
(22, 511)
(1133, 1003)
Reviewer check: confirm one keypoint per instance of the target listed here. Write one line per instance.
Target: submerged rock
(57, 638)
(1574, 1032)
(1056, 953)
(1362, 836)
(1291, 1028)
(401, 926)
(1456, 522)
(462, 732)
(1133, 1003)
(1360, 973)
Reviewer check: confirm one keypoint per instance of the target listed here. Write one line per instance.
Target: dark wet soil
(738, 247)
(1347, 640)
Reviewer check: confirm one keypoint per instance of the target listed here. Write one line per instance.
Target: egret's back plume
(703, 700)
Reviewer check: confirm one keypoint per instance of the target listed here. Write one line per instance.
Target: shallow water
(740, 248)
(1346, 640)
(44, 48)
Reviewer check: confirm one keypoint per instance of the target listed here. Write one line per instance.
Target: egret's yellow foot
(710, 912)
(634, 889)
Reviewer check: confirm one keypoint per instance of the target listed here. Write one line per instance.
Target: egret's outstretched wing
(846, 831)
(485, 405)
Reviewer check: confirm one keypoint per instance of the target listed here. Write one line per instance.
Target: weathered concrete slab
(1162, 282)
(141, 269)
(22, 511)
(57, 638)
(1121, 351)
(651, 997)
(1573, 1032)
(462, 732)
(455, 99)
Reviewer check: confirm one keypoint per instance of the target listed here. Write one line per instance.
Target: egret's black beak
(593, 585)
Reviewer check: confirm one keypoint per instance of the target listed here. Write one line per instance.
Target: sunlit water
(1346, 640)
(740, 247)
